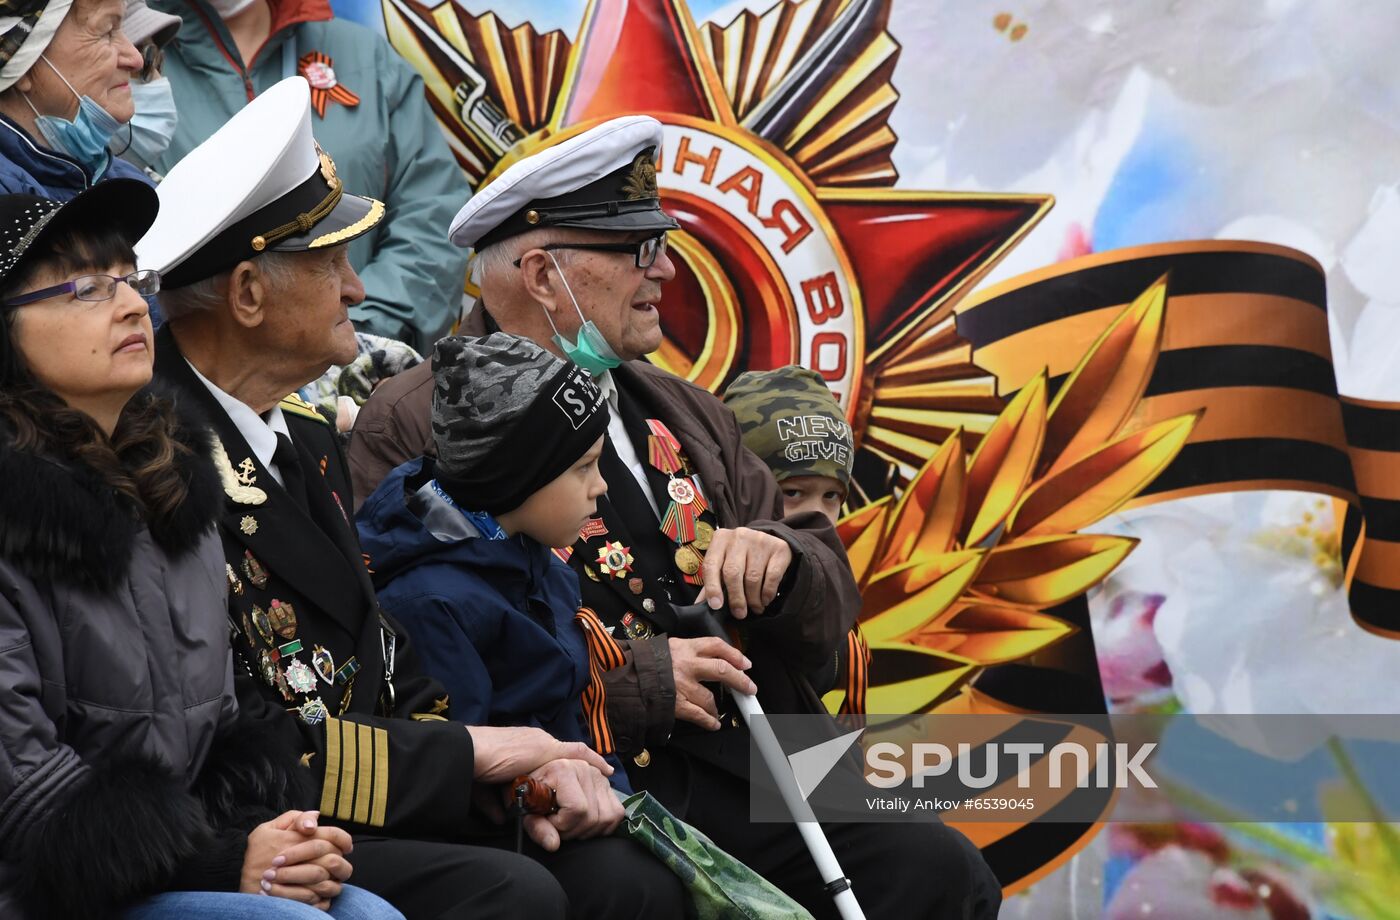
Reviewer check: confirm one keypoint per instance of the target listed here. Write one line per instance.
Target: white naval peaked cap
(602, 179)
(258, 183)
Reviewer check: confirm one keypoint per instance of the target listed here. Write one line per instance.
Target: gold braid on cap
(307, 219)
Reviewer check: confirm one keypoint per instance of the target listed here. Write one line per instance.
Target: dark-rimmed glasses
(644, 252)
(94, 288)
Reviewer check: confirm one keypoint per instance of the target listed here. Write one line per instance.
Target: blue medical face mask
(149, 133)
(590, 351)
(85, 138)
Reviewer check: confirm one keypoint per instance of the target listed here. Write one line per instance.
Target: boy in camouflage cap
(792, 422)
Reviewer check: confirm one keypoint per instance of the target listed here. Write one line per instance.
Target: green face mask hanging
(590, 350)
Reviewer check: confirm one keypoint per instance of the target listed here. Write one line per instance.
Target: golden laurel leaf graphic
(958, 571)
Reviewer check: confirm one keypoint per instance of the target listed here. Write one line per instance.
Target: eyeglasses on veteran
(94, 288)
(644, 252)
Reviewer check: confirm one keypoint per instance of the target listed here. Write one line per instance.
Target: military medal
(253, 570)
(663, 450)
(267, 667)
(615, 559)
(280, 682)
(324, 664)
(313, 712)
(688, 560)
(291, 648)
(635, 585)
(593, 527)
(588, 570)
(347, 670)
(300, 677)
(234, 583)
(704, 534)
(680, 491)
(249, 525)
(283, 618)
(262, 624)
(635, 626)
(648, 605)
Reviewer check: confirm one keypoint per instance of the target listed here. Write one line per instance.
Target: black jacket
(383, 757)
(123, 769)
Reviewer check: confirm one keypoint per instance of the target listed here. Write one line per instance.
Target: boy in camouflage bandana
(792, 422)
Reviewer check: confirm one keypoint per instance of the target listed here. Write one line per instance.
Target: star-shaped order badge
(615, 559)
(316, 68)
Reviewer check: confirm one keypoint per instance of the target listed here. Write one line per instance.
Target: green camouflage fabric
(719, 886)
(792, 422)
(379, 358)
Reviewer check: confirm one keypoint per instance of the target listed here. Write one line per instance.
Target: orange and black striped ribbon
(857, 673)
(320, 97)
(604, 654)
(1245, 338)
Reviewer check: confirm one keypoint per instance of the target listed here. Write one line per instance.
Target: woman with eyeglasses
(128, 787)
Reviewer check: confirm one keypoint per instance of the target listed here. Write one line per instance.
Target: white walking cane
(698, 619)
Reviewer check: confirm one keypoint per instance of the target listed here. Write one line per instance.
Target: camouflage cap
(508, 417)
(792, 422)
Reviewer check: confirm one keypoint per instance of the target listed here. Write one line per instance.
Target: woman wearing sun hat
(126, 783)
(65, 90)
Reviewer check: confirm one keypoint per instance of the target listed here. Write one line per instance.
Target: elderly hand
(587, 805)
(501, 754)
(747, 566)
(694, 661)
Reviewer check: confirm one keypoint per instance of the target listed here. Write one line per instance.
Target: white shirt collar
(609, 387)
(261, 434)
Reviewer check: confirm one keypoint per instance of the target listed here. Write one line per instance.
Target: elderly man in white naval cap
(571, 244)
(252, 243)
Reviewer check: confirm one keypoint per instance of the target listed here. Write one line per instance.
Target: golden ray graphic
(777, 164)
(960, 567)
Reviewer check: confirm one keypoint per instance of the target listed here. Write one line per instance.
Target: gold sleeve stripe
(349, 767)
(330, 783)
(364, 776)
(379, 800)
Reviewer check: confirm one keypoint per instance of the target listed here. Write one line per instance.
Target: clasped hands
(294, 857)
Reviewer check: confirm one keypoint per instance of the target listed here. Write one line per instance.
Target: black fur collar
(60, 523)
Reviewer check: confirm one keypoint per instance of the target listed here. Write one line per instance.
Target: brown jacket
(822, 601)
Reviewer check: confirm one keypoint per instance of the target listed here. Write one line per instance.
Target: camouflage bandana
(792, 422)
(508, 418)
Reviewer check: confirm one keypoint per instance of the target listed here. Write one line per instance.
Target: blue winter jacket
(27, 167)
(493, 620)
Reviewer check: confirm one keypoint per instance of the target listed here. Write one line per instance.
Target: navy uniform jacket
(382, 755)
